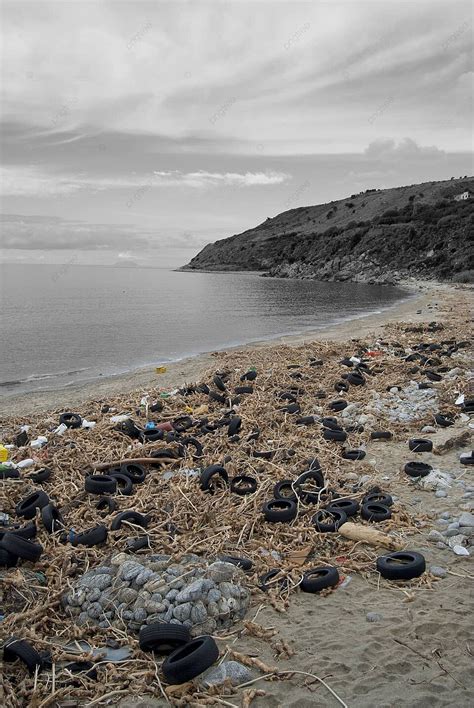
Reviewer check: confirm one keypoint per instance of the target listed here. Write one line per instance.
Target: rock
(194, 591)
(233, 670)
(451, 532)
(428, 429)
(182, 612)
(466, 519)
(467, 531)
(440, 494)
(438, 572)
(130, 570)
(461, 551)
(445, 515)
(442, 523)
(453, 525)
(95, 610)
(435, 536)
(127, 595)
(373, 617)
(222, 572)
(198, 612)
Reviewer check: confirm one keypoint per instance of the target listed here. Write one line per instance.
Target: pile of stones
(132, 591)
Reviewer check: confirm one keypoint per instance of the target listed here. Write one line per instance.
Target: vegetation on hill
(378, 236)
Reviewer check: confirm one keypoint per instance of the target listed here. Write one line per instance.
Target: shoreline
(189, 369)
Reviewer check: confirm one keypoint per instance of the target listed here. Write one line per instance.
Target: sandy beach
(368, 642)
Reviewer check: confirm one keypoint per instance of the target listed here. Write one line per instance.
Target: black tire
(354, 455)
(331, 424)
(417, 469)
(106, 504)
(249, 376)
(381, 435)
(134, 517)
(21, 547)
(341, 386)
(124, 483)
(163, 638)
(28, 531)
(128, 427)
(374, 511)
(9, 473)
(444, 421)
(182, 423)
(420, 445)
(218, 382)
(433, 376)
(265, 581)
(235, 424)
(424, 385)
(292, 408)
(349, 506)
(52, 519)
(135, 472)
(338, 405)
(263, 454)
(186, 442)
(356, 379)
(285, 489)
(7, 559)
(378, 498)
(306, 420)
(243, 563)
(467, 459)
(100, 484)
(70, 420)
(325, 525)
(355, 429)
(152, 435)
(335, 435)
(286, 396)
(280, 510)
(313, 477)
(218, 397)
(320, 395)
(317, 579)
(41, 475)
(347, 362)
(166, 452)
(214, 471)
(239, 390)
(243, 485)
(27, 507)
(92, 537)
(401, 565)
(189, 661)
(14, 649)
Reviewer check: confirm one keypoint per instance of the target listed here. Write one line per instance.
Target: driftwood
(134, 461)
(356, 532)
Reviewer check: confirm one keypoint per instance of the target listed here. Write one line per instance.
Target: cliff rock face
(373, 237)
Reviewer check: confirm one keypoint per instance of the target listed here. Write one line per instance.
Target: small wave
(42, 377)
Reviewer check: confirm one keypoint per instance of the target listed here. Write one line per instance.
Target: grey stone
(451, 532)
(373, 617)
(445, 515)
(438, 572)
(214, 595)
(127, 595)
(233, 670)
(130, 570)
(222, 572)
(466, 519)
(155, 607)
(182, 612)
(441, 545)
(140, 615)
(172, 594)
(95, 610)
(83, 619)
(442, 523)
(435, 536)
(467, 531)
(93, 595)
(198, 612)
(142, 578)
(440, 494)
(194, 591)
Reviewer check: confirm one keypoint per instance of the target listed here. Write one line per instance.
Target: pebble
(438, 572)
(435, 536)
(441, 522)
(466, 519)
(445, 515)
(233, 670)
(373, 617)
(440, 494)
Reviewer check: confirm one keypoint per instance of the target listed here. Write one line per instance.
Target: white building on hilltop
(463, 195)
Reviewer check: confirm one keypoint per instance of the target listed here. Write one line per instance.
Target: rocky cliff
(378, 236)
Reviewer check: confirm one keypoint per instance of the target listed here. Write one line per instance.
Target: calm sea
(64, 324)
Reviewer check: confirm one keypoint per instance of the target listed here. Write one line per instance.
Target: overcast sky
(144, 130)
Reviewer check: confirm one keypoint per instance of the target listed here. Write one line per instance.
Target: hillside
(378, 236)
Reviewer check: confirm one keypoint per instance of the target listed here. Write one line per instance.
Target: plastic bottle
(3, 454)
